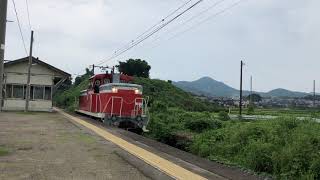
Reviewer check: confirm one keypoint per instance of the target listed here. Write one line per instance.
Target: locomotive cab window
(97, 84)
(106, 81)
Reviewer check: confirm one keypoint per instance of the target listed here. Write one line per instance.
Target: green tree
(65, 85)
(135, 67)
(255, 97)
(251, 109)
(83, 77)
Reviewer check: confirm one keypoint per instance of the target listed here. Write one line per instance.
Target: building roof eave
(36, 60)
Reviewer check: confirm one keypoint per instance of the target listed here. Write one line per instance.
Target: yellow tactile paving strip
(154, 160)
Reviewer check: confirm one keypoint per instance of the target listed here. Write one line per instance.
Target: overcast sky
(277, 39)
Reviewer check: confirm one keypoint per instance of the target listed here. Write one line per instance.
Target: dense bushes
(68, 98)
(176, 127)
(287, 148)
(223, 116)
(200, 125)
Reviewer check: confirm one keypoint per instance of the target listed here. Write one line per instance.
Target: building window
(31, 92)
(9, 91)
(24, 91)
(47, 93)
(18, 91)
(37, 92)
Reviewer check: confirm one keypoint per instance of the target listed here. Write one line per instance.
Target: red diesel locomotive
(115, 100)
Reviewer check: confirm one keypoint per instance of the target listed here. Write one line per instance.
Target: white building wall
(15, 78)
(19, 105)
(35, 69)
(17, 74)
(40, 75)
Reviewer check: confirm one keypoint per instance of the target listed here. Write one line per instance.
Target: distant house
(44, 80)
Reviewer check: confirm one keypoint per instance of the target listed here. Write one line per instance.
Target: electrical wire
(192, 18)
(151, 33)
(149, 29)
(21, 34)
(152, 27)
(162, 20)
(203, 21)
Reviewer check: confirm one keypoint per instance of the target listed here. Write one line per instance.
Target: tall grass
(286, 147)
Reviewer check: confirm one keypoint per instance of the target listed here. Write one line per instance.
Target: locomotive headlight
(137, 91)
(114, 90)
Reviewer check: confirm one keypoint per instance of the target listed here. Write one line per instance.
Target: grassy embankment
(285, 148)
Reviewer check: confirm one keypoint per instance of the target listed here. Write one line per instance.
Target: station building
(44, 80)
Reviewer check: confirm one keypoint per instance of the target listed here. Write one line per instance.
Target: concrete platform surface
(49, 146)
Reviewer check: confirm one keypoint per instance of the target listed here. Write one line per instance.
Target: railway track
(173, 162)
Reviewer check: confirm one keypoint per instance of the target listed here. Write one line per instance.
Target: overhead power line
(27, 4)
(210, 17)
(162, 20)
(192, 18)
(150, 34)
(202, 12)
(205, 20)
(154, 26)
(151, 28)
(19, 25)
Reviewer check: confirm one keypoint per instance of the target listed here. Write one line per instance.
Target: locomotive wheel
(107, 120)
(114, 121)
(139, 119)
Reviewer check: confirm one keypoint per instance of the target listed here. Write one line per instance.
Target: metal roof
(36, 60)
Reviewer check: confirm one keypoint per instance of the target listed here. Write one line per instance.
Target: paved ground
(203, 167)
(48, 146)
(149, 156)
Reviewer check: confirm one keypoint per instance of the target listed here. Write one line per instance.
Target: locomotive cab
(115, 100)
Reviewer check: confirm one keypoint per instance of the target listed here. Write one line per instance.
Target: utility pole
(251, 92)
(93, 69)
(3, 23)
(29, 74)
(240, 104)
(314, 93)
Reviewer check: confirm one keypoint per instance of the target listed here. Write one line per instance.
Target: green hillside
(171, 96)
(158, 91)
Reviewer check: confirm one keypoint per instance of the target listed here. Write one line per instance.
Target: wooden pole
(240, 103)
(29, 74)
(3, 23)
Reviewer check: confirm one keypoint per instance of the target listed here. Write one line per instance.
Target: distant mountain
(284, 93)
(209, 87)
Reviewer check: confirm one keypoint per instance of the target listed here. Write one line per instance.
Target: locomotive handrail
(98, 96)
(115, 97)
(144, 107)
(108, 102)
(99, 104)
